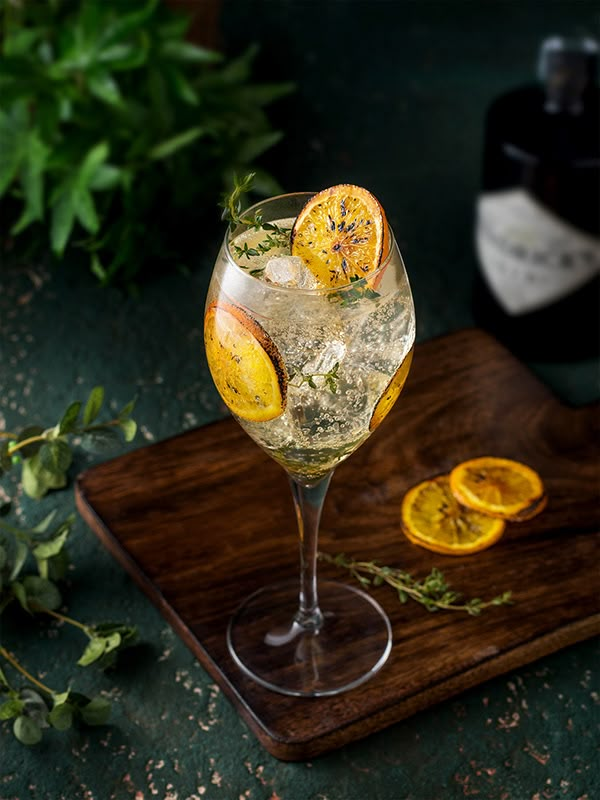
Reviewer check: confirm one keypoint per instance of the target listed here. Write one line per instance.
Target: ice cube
(333, 353)
(290, 271)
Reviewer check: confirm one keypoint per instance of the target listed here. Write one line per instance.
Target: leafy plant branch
(45, 456)
(432, 592)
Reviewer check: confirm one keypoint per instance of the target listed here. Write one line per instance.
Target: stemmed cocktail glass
(309, 371)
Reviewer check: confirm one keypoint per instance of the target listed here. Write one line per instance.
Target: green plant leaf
(180, 50)
(94, 650)
(3, 681)
(13, 144)
(55, 456)
(123, 24)
(69, 418)
(106, 177)
(19, 592)
(127, 409)
(34, 706)
(85, 211)
(26, 730)
(96, 712)
(32, 181)
(63, 219)
(42, 592)
(11, 708)
(19, 559)
(61, 716)
(3, 557)
(94, 158)
(52, 547)
(103, 86)
(45, 523)
(93, 405)
(37, 481)
(129, 428)
(175, 143)
(100, 440)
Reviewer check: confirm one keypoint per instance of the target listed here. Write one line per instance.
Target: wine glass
(309, 373)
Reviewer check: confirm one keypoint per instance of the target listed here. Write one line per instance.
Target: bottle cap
(567, 67)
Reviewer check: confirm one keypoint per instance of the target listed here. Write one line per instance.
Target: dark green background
(390, 95)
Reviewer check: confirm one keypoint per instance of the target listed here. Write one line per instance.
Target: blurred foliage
(117, 134)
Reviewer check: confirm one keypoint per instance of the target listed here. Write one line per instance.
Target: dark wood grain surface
(203, 519)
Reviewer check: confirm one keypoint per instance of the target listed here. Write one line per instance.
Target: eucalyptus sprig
(34, 560)
(432, 592)
(45, 455)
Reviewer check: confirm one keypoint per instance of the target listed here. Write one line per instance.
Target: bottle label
(530, 257)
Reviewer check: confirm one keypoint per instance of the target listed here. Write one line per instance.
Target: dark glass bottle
(538, 216)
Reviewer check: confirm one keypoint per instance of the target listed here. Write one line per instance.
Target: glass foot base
(351, 645)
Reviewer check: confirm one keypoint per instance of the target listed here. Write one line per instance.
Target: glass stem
(308, 503)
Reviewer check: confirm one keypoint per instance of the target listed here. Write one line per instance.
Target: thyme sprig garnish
(353, 294)
(231, 203)
(330, 378)
(432, 592)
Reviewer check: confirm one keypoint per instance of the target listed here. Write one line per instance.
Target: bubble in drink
(289, 271)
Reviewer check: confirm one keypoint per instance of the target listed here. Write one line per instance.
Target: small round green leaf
(97, 711)
(42, 592)
(26, 730)
(61, 717)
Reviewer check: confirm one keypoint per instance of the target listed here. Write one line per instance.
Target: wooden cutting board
(204, 519)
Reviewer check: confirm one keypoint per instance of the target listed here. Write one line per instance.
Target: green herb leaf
(41, 592)
(94, 650)
(69, 419)
(170, 146)
(52, 547)
(55, 456)
(26, 730)
(187, 51)
(129, 428)
(96, 712)
(61, 716)
(93, 405)
(100, 440)
(19, 558)
(11, 708)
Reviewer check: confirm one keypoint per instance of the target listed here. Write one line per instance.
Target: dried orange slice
(391, 393)
(341, 234)
(433, 518)
(498, 486)
(244, 362)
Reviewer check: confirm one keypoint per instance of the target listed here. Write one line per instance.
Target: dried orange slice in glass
(433, 518)
(498, 486)
(391, 393)
(341, 234)
(244, 362)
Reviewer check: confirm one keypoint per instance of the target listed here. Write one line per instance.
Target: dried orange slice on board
(391, 393)
(499, 487)
(341, 234)
(433, 518)
(244, 362)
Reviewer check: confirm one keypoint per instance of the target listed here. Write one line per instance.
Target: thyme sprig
(432, 592)
(231, 203)
(330, 378)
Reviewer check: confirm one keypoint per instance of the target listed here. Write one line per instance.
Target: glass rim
(322, 290)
